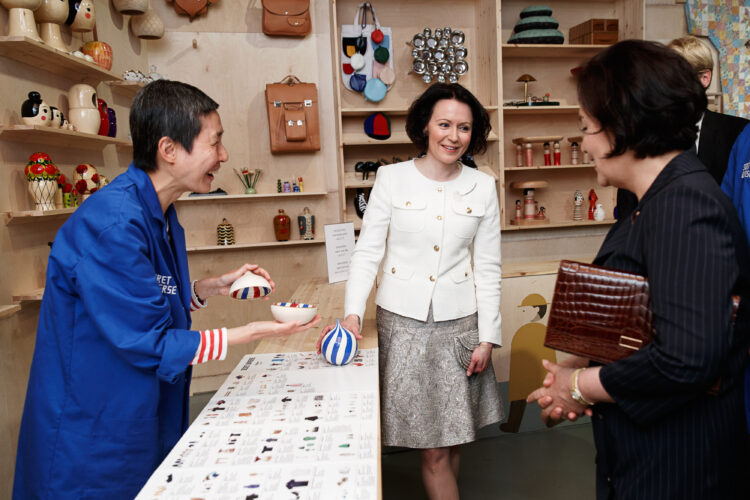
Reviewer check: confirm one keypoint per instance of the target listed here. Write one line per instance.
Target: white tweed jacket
(422, 231)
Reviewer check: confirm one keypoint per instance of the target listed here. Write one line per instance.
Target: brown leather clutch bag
(599, 313)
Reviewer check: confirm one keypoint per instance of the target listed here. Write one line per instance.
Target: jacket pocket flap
(409, 203)
(460, 274)
(399, 271)
(468, 208)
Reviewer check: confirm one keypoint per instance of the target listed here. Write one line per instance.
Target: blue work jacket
(108, 389)
(736, 184)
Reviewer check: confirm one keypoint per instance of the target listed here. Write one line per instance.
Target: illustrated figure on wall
(526, 354)
(592, 203)
(577, 205)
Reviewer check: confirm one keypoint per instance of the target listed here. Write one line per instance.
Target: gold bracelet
(575, 392)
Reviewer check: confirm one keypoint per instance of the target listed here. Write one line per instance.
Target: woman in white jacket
(423, 216)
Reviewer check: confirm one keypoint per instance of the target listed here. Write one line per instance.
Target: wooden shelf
(48, 136)
(388, 111)
(556, 51)
(353, 180)
(541, 110)
(559, 224)
(128, 88)
(360, 139)
(548, 167)
(239, 246)
(248, 197)
(9, 310)
(40, 55)
(26, 216)
(32, 296)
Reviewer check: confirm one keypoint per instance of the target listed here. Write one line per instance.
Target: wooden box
(594, 31)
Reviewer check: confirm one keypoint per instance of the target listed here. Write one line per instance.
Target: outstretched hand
(220, 285)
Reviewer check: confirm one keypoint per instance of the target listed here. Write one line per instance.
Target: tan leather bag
(286, 17)
(293, 116)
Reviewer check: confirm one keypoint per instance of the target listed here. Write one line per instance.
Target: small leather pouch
(286, 17)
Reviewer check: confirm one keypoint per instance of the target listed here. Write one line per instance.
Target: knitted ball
(339, 346)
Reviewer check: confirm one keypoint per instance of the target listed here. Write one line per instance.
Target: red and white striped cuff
(195, 302)
(213, 346)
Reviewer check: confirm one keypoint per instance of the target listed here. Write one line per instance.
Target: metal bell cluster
(440, 55)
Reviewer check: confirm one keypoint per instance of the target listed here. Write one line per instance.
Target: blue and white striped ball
(339, 346)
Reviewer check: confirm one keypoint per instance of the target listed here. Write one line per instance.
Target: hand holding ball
(339, 346)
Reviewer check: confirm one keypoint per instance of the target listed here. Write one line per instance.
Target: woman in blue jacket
(108, 389)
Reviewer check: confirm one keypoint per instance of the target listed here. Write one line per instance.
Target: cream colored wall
(232, 63)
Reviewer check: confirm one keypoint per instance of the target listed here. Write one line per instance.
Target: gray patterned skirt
(426, 399)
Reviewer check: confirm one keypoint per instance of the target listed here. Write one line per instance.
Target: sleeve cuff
(213, 346)
(195, 302)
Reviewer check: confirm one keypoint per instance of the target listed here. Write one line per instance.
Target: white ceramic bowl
(249, 286)
(293, 311)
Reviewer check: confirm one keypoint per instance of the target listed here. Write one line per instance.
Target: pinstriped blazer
(665, 436)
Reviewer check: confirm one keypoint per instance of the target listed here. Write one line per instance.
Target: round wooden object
(529, 184)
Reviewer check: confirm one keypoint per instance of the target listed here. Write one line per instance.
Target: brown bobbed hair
(645, 96)
(420, 113)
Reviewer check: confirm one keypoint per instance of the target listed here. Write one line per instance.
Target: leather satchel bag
(286, 17)
(293, 116)
(599, 313)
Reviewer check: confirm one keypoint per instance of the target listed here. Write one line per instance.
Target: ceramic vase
(130, 7)
(224, 233)
(81, 15)
(148, 25)
(599, 212)
(103, 117)
(100, 51)
(281, 226)
(112, 117)
(43, 191)
(50, 16)
(21, 20)
(83, 112)
(306, 223)
(339, 346)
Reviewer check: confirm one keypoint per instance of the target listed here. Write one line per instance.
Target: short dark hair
(166, 108)
(646, 96)
(420, 113)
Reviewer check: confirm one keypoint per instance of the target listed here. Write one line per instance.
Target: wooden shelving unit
(547, 167)
(266, 244)
(248, 197)
(32, 216)
(389, 111)
(48, 136)
(32, 296)
(519, 51)
(128, 88)
(541, 110)
(570, 223)
(38, 54)
(9, 310)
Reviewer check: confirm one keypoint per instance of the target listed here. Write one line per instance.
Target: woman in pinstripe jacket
(660, 431)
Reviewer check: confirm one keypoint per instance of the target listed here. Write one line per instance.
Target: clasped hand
(554, 396)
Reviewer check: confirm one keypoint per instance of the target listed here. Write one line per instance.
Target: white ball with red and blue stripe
(339, 346)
